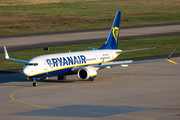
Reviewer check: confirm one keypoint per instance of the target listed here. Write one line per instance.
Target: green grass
(40, 18)
(164, 45)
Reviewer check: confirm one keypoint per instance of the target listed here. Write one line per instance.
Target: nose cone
(27, 71)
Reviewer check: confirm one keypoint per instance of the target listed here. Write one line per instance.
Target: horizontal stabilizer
(134, 50)
(92, 48)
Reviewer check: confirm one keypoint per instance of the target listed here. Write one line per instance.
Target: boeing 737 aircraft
(84, 63)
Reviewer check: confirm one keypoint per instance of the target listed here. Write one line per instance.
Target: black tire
(64, 78)
(59, 77)
(91, 79)
(34, 83)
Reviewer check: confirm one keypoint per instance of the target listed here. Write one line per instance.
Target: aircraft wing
(113, 63)
(8, 58)
(122, 63)
(106, 64)
(125, 63)
(130, 62)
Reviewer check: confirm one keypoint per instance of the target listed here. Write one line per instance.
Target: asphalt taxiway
(148, 91)
(25, 42)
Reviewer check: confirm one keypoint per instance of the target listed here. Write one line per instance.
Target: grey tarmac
(148, 91)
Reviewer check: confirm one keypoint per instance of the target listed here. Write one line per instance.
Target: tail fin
(112, 41)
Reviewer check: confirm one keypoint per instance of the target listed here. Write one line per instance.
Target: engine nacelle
(87, 73)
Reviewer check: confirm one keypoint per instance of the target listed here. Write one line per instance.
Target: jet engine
(87, 73)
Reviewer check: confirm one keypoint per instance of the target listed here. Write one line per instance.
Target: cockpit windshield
(32, 64)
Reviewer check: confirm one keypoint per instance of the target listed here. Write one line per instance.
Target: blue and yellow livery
(83, 63)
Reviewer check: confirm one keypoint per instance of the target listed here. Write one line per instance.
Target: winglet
(172, 53)
(171, 61)
(8, 58)
(6, 54)
(171, 56)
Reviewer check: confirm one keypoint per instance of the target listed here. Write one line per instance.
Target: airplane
(83, 63)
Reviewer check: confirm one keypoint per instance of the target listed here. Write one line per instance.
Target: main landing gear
(34, 80)
(62, 77)
(91, 79)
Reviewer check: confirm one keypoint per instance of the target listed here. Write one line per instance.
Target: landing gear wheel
(60, 77)
(91, 79)
(34, 83)
(64, 78)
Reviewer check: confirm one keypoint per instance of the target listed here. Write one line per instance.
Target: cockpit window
(32, 64)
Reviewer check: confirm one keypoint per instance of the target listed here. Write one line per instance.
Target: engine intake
(87, 73)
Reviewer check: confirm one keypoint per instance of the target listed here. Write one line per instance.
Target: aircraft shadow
(7, 76)
(86, 111)
(56, 81)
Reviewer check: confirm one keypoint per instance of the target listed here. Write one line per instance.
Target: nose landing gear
(34, 83)
(34, 80)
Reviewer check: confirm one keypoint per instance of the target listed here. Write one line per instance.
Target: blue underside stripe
(56, 73)
(53, 73)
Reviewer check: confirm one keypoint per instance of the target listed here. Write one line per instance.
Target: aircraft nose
(27, 71)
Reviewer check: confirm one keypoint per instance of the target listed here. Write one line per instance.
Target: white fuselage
(60, 63)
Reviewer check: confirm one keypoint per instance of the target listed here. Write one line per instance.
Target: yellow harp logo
(115, 33)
